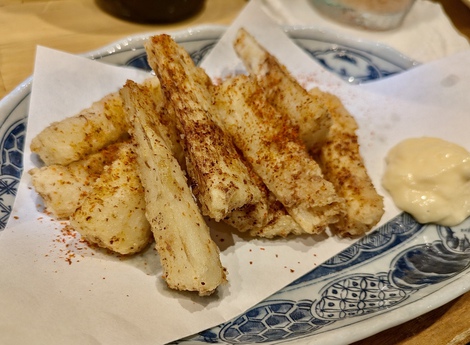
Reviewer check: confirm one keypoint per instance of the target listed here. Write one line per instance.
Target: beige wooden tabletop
(78, 26)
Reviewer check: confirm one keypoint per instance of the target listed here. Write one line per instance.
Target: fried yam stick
(164, 115)
(220, 179)
(272, 147)
(75, 137)
(112, 215)
(307, 111)
(189, 257)
(342, 164)
(63, 187)
(280, 223)
(268, 218)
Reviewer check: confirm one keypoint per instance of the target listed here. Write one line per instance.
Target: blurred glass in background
(152, 11)
(367, 14)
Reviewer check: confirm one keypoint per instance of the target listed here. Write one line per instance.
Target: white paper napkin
(55, 290)
(425, 35)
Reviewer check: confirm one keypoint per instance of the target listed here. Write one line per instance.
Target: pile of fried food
(257, 151)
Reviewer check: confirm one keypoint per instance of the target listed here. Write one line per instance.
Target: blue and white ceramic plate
(398, 272)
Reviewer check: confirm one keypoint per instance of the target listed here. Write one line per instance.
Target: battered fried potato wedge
(342, 164)
(89, 131)
(307, 111)
(271, 145)
(63, 187)
(113, 214)
(221, 181)
(189, 257)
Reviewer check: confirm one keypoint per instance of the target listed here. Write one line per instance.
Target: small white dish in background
(366, 14)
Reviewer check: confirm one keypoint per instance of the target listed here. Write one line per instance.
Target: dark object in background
(152, 11)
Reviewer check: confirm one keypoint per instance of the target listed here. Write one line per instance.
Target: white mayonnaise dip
(430, 179)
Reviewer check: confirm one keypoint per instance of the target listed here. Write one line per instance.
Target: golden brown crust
(92, 129)
(271, 145)
(64, 187)
(219, 177)
(112, 215)
(307, 111)
(342, 164)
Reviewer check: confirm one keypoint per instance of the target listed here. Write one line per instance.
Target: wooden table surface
(79, 26)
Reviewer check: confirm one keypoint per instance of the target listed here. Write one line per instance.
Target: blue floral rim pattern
(347, 287)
